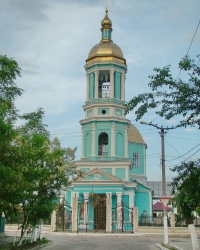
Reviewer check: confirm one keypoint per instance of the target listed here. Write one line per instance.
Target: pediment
(98, 175)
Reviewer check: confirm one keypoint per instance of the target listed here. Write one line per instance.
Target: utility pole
(162, 135)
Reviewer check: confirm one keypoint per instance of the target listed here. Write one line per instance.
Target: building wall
(140, 149)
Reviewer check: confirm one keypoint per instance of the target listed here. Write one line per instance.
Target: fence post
(108, 212)
(194, 238)
(173, 222)
(135, 219)
(53, 221)
(122, 212)
(132, 219)
(2, 223)
(75, 213)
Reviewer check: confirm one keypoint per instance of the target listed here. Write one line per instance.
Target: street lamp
(162, 135)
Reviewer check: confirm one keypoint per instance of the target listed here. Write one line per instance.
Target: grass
(168, 247)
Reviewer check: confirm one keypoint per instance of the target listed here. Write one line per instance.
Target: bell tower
(104, 128)
(113, 150)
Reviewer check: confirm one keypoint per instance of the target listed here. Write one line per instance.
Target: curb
(164, 248)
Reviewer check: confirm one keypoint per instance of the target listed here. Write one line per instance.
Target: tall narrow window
(103, 144)
(135, 160)
(104, 84)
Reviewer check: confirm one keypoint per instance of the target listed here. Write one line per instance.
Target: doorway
(100, 212)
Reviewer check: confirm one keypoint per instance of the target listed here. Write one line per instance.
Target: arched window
(135, 160)
(103, 144)
(104, 84)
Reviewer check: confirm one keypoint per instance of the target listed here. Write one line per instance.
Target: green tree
(45, 169)
(172, 96)
(9, 71)
(33, 168)
(185, 188)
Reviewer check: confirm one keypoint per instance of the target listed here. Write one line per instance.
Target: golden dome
(134, 135)
(105, 49)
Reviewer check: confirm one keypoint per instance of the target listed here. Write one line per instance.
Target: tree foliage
(185, 188)
(170, 96)
(33, 168)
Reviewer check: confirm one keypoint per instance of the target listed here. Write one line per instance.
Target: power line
(172, 147)
(189, 46)
(193, 37)
(186, 153)
(192, 155)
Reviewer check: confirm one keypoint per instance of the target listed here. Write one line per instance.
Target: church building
(112, 191)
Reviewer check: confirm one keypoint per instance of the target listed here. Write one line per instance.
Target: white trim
(131, 194)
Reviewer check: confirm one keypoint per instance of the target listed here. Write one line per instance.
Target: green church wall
(142, 202)
(88, 145)
(120, 140)
(126, 199)
(103, 109)
(108, 170)
(137, 148)
(120, 173)
(103, 100)
(114, 201)
(98, 189)
(68, 196)
(106, 65)
(103, 128)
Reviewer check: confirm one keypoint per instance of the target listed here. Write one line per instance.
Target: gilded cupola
(106, 50)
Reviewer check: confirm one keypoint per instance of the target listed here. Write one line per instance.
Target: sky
(51, 39)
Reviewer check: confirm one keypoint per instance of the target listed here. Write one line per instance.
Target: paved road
(63, 241)
(88, 242)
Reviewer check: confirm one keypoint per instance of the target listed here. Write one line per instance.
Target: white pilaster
(108, 212)
(87, 86)
(86, 202)
(113, 140)
(119, 210)
(93, 139)
(74, 211)
(112, 83)
(123, 86)
(96, 92)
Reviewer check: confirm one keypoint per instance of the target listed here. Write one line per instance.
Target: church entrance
(99, 204)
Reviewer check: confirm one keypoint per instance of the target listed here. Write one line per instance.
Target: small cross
(107, 5)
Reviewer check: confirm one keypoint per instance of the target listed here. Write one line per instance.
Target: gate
(92, 214)
(64, 217)
(122, 218)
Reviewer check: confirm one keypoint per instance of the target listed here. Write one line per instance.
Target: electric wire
(189, 47)
(186, 153)
(193, 154)
(172, 147)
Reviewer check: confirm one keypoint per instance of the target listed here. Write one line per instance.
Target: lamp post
(162, 135)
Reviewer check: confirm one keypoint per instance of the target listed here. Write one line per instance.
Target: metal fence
(122, 218)
(64, 217)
